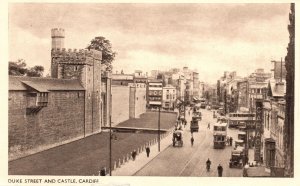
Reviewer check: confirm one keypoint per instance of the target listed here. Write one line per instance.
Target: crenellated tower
(58, 37)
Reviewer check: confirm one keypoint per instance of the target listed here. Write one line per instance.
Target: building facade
(154, 93)
(169, 97)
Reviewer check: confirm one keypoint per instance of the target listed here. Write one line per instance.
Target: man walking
(192, 140)
(148, 151)
(220, 170)
(230, 141)
(208, 125)
(133, 154)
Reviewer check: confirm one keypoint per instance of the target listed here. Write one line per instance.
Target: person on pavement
(230, 141)
(133, 154)
(208, 163)
(220, 170)
(245, 170)
(208, 125)
(148, 151)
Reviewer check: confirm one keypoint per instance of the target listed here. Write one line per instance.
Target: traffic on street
(190, 159)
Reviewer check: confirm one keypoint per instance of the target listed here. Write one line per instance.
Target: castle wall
(61, 121)
(120, 104)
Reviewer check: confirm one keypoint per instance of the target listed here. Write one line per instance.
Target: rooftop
(43, 84)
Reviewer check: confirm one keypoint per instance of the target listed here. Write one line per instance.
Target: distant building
(154, 93)
(169, 97)
(122, 79)
(139, 77)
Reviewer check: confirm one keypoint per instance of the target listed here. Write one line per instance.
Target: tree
(17, 68)
(104, 45)
(20, 68)
(36, 71)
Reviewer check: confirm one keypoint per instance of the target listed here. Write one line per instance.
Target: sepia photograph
(149, 90)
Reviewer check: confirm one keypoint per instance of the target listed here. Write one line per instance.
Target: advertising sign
(258, 129)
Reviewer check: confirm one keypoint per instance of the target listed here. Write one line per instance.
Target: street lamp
(110, 145)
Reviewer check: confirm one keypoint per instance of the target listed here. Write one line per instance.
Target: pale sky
(211, 38)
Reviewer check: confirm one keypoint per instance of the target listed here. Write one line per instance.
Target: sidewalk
(131, 167)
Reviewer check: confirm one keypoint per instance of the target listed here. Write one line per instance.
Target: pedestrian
(102, 171)
(220, 170)
(245, 170)
(230, 141)
(148, 151)
(133, 154)
(192, 140)
(208, 125)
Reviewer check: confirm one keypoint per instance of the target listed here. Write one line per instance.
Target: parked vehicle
(239, 143)
(237, 156)
(242, 136)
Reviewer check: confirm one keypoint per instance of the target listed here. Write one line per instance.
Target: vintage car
(239, 143)
(177, 138)
(242, 135)
(237, 157)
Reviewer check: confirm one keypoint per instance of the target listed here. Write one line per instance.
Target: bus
(220, 133)
(239, 119)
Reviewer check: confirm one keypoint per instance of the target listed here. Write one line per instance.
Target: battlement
(57, 33)
(75, 54)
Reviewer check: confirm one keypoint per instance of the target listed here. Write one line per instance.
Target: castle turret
(58, 38)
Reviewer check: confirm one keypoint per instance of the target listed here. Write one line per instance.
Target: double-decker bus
(239, 119)
(220, 133)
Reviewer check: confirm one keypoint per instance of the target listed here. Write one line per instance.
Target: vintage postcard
(150, 93)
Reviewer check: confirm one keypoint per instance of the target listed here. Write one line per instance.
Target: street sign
(258, 129)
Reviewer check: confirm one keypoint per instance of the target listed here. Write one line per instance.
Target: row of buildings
(271, 97)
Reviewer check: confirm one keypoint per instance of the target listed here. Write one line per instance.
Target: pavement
(133, 166)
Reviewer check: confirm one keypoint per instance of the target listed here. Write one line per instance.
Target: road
(190, 160)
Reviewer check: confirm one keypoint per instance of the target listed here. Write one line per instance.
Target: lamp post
(110, 145)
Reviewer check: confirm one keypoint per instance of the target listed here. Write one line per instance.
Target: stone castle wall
(61, 121)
